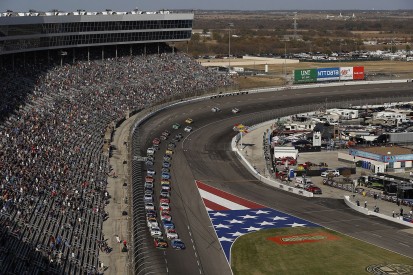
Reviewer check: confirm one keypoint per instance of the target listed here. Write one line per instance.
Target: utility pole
(229, 45)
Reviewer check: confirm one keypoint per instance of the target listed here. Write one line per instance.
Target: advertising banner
(358, 73)
(328, 74)
(346, 73)
(305, 76)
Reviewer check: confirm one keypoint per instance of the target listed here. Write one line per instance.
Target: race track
(205, 154)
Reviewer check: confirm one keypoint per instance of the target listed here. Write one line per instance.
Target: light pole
(229, 45)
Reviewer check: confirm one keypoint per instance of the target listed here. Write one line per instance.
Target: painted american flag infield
(233, 216)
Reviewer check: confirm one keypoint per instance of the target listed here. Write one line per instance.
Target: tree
(346, 174)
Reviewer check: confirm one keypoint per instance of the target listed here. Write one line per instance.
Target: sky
(153, 5)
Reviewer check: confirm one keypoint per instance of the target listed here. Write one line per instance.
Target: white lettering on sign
(307, 72)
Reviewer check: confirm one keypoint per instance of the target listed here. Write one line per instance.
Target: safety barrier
(367, 212)
(263, 179)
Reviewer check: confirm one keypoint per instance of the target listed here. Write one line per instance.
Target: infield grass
(254, 254)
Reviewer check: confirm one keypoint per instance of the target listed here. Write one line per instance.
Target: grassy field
(254, 254)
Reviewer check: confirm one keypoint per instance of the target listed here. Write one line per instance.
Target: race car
(160, 243)
(164, 206)
(189, 120)
(171, 234)
(188, 129)
(177, 244)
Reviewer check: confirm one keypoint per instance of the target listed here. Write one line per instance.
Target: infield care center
(381, 159)
(329, 74)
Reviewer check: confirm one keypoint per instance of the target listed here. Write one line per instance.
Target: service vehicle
(215, 109)
(235, 110)
(177, 244)
(188, 129)
(156, 232)
(333, 172)
(171, 234)
(189, 120)
(160, 243)
(176, 126)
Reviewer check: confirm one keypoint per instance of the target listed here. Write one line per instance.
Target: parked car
(177, 244)
(314, 189)
(335, 173)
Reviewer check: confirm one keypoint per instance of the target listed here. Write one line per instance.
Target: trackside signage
(328, 74)
(305, 76)
(358, 73)
(304, 238)
(346, 73)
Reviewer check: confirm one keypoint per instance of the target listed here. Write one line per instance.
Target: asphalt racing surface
(205, 154)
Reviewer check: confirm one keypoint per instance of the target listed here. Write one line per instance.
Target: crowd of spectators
(53, 170)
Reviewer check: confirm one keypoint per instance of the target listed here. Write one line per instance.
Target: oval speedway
(205, 154)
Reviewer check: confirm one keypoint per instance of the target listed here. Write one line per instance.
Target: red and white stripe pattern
(218, 200)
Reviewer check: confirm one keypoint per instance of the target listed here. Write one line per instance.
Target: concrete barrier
(263, 179)
(367, 212)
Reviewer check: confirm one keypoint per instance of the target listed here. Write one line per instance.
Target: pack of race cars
(165, 230)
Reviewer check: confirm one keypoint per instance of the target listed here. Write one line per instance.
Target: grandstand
(54, 116)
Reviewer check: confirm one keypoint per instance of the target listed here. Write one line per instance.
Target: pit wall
(367, 212)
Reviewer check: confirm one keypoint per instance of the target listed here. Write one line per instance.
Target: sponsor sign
(305, 76)
(346, 73)
(328, 74)
(383, 158)
(362, 154)
(303, 238)
(358, 73)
